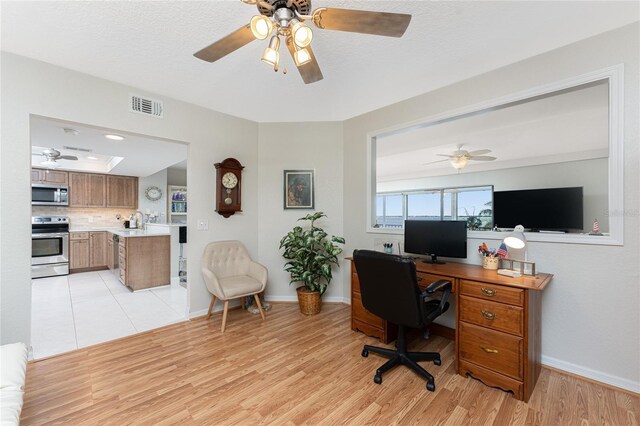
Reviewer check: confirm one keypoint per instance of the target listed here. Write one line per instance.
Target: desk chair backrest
(389, 287)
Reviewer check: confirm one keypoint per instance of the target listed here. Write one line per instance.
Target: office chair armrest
(435, 286)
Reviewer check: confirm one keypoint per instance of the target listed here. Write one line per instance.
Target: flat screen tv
(553, 209)
(447, 238)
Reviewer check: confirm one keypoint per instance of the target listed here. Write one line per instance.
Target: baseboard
(598, 376)
(295, 299)
(218, 308)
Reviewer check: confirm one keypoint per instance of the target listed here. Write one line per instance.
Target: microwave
(49, 195)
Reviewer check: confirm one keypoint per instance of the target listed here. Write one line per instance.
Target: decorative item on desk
(517, 243)
(521, 266)
(596, 228)
(490, 258)
(388, 247)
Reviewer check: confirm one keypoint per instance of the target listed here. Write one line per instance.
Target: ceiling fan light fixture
(261, 27)
(271, 55)
(50, 163)
(459, 162)
(301, 57)
(302, 35)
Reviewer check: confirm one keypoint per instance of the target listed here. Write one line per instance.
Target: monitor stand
(434, 260)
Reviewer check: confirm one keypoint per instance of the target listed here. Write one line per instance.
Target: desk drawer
(424, 279)
(362, 314)
(495, 293)
(497, 316)
(491, 349)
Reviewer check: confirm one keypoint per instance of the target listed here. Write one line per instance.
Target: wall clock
(153, 193)
(228, 187)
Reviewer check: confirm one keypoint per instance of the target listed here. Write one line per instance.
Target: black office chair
(389, 289)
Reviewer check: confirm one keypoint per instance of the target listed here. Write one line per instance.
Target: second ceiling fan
(286, 19)
(460, 157)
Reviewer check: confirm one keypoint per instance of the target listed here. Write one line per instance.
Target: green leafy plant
(310, 254)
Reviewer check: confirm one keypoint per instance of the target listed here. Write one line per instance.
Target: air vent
(75, 148)
(146, 106)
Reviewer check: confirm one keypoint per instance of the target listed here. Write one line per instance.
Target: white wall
(590, 315)
(592, 175)
(33, 87)
(158, 180)
(177, 177)
(298, 146)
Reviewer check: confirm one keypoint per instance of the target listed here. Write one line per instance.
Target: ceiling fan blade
(226, 45)
(445, 155)
(482, 158)
(433, 162)
(310, 71)
(479, 152)
(362, 21)
(67, 157)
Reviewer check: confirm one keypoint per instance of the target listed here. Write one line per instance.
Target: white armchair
(229, 273)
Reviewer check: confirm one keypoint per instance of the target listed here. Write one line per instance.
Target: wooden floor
(289, 369)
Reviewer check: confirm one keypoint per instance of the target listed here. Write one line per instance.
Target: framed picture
(299, 189)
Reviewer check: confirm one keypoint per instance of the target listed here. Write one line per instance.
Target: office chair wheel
(377, 379)
(431, 386)
(365, 353)
(437, 361)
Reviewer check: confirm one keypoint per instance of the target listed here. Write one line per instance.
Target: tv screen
(435, 238)
(553, 209)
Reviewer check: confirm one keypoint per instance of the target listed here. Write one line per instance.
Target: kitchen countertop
(123, 232)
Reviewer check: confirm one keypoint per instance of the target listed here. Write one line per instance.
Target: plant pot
(309, 301)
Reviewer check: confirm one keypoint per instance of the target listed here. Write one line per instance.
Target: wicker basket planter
(310, 301)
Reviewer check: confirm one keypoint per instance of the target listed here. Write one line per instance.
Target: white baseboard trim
(218, 308)
(295, 299)
(598, 376)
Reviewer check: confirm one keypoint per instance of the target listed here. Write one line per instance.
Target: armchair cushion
(240, 286)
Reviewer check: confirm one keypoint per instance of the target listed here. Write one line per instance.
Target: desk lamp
(517, 244)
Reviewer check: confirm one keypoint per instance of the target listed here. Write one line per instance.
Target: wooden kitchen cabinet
(87, 251)
(86, 190)
(145, 262)
(122, 191)
(56, 177)
(110, 259)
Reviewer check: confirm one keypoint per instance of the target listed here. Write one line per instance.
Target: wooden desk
(497, 335)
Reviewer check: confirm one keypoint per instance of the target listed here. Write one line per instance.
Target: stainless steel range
(49, 246)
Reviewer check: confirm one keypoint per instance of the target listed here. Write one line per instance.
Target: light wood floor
(289, 369)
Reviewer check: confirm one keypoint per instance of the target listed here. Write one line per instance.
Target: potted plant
(310, 255)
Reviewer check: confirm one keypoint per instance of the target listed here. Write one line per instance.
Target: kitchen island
(143, 258)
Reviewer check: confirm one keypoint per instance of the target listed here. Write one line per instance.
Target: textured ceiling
(149, 45)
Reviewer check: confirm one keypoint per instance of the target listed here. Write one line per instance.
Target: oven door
(49, 248)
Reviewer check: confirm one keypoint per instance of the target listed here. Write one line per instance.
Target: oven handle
(53, 235)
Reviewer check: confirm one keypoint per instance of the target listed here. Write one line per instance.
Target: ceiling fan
(52, 155)
(460, 157)
(286, 19)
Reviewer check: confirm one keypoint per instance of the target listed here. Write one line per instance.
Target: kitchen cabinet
(110, 259)
(57, 177)
(122, 191)
(145, 262)
(86, 190)
(87, 250)
(177, 199)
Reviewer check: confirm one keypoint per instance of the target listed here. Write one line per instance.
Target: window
(471, 204)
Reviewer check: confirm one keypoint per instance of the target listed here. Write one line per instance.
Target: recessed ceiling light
(114, 137)
(92, 158)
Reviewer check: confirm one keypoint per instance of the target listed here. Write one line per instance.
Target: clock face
(153, 193)
(229, 180)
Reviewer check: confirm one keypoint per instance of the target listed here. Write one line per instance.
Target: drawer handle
(489, 350)
(488, 315)
(489, 292)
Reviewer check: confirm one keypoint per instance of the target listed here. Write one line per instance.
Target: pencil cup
(490, 262)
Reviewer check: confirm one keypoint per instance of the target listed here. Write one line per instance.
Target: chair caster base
(431, 386)
(437, 361)
(365, 353)
(377, 379)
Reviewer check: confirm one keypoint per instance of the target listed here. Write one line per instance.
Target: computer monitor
(447, 238)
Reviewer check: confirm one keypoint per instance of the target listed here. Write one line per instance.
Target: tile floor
(79, 310)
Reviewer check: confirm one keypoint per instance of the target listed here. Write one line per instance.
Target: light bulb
(302, 35)
(261, 27)
(51, 164)
(301, 57)
(459, 162)
(271, 55)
